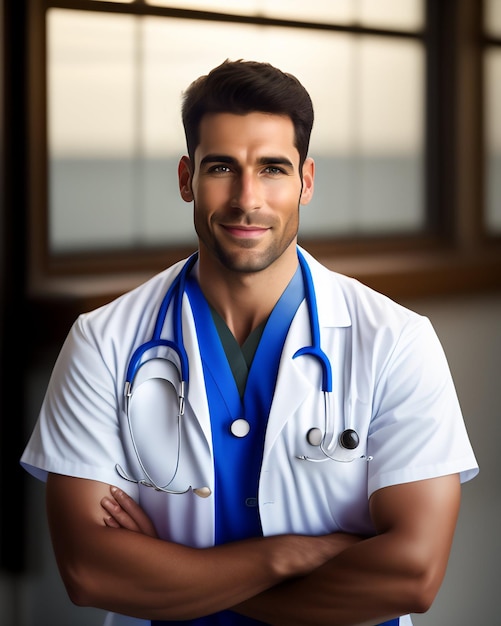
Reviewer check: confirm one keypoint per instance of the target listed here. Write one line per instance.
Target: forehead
(263, 133)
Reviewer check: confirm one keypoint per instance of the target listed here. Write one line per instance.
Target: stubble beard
(241, 259)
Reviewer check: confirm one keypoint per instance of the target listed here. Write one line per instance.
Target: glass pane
(493, 140)
(492, 19)
(405, 14)
(116, 133)
(91, 124)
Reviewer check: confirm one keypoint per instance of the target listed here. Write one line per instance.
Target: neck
(243, 300)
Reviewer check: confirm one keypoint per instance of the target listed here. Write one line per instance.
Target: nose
(246, 194)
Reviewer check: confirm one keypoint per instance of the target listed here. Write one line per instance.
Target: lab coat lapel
(197, 397)
(297, 378)
(292, 386)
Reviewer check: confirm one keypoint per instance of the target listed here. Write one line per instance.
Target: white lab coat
(391, 383)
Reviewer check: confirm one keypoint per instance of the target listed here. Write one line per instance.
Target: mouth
(245, 232)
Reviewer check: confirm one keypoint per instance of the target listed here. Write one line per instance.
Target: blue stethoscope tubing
(348, 439)
(175, 294)
(314, 349)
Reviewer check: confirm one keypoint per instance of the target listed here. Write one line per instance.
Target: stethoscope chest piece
(240, 427)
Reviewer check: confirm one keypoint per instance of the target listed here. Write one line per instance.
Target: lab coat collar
(331, 301)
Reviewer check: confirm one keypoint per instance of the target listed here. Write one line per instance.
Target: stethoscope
(341, 448)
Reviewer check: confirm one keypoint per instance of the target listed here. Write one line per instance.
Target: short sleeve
(417, 429)
(77, 432)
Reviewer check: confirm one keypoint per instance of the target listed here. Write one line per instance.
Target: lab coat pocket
(312, 483)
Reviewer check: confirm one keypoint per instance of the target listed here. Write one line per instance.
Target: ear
(184, 175)
(308, 181)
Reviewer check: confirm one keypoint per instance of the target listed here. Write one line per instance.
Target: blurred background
(407, 144)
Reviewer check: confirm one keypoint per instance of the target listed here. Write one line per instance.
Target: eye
(274, 170)
(221, 168)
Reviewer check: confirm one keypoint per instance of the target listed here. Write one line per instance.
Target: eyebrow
(265, 160)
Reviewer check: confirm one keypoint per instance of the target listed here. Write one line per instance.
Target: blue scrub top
(238, 459)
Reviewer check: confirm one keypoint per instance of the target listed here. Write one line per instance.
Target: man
(290, 441)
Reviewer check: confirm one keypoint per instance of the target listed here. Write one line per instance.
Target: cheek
(286, 200)
(206, 202)
(213, 191)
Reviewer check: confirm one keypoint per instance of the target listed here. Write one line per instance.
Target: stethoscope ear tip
(349, 439)
(202, 492)
(314, 436)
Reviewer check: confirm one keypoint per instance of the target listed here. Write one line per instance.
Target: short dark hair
(243, 87)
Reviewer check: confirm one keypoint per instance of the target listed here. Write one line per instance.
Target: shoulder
(345, 301)
(128, 317)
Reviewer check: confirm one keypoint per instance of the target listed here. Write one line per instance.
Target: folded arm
(396, 572)
(137, 574)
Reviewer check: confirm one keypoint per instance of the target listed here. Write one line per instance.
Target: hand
(124, 512)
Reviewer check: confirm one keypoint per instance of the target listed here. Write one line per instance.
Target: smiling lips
(245, 232)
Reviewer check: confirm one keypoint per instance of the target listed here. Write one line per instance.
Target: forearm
(143, 577)
(396, 572)
(138, 575)
(292, 580)
(368, 583)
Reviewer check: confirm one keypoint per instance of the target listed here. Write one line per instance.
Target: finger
(120, 517)
(134, 511)
(111, 522)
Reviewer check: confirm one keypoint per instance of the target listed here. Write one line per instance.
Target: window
(115, 134)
